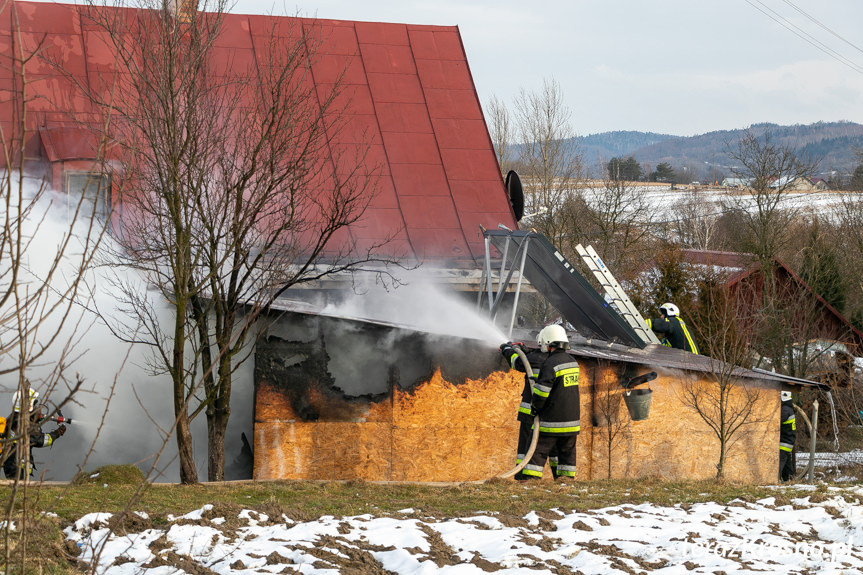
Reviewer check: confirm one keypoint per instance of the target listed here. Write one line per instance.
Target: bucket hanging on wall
(638, 403)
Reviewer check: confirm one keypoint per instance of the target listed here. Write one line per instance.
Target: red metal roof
(410, 89)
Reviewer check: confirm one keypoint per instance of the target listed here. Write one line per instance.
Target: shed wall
(439, 430)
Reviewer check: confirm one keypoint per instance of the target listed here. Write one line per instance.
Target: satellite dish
(515, 193)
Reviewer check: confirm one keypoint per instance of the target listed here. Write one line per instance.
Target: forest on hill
(833, 145)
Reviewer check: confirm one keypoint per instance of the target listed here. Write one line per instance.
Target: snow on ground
(811, 534)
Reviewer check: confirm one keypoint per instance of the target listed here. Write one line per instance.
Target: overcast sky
(679, 67)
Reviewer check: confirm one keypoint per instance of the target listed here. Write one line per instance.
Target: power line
(802, 34)
(827, 28)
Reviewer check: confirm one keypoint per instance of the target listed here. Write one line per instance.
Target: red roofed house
(341, 397)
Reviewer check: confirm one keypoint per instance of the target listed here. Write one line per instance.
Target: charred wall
(337, 399)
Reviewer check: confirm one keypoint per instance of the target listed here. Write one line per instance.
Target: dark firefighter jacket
(555, 396)
(38, 438)
(788, 428)
(675, 331)
(536, 358)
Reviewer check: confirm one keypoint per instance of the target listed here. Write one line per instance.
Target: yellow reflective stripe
(789, 420)
(559, 429)
(649, 323)
(783, 448)
(688, 337)
(525, 410)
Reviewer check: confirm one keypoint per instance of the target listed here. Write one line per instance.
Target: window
(96, 191)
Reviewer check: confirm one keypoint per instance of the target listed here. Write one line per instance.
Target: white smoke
(124, 411)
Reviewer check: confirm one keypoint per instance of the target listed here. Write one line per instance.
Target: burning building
(342, 395)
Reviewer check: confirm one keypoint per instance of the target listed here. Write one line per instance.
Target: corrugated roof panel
(450, 74)
(338, 40)
(462, 104)
(384, 193)
(56, 95)
(429, 212)
(398, 117)
(47, 17)
(64, 49)
(99, 51)
(378, 222)
(418, 180)
(399, 246)
(380, 33)
(355, 129)
(235, 32)
(372, 157)
(461, 134)
(436, 44)
(469, 164)
(411, 148)
(332, 68)
(6, 22)
(401, 88)
(267, 26)
(437, 243)
(226, 60)
(6, 59)
(351, 99)
(385, 59)
(475, 196)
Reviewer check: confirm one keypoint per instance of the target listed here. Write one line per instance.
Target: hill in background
(705, 157)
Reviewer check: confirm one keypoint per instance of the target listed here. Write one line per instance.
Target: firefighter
(556, 400)
(673, 330)
(787, 437)
(13, 461)
(535, 357)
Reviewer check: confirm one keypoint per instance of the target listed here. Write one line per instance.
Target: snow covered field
(808, 533)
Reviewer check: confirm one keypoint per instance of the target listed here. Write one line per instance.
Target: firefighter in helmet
(557, 402)
(14, 461)
(535, 357)
(787, 437)
(672, 329)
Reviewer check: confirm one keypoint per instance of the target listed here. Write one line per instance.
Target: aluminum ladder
(615, 294)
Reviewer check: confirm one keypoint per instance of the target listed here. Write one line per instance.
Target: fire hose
(529, 371)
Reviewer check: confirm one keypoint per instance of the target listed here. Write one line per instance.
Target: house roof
(741, 266)
(412, 94)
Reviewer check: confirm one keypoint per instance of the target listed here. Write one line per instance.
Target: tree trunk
(217, 424)
(188, 471)
(218, 414)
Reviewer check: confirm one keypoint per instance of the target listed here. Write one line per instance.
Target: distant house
(814, 322)
(799, 184)
(735, 183)
(820, 184)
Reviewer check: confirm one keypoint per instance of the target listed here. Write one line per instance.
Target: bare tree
(231, 195)
(549, 158)
(695, 220)
(606, 401)
(47, 246)
(725, 402)
(502, 131)
(773, 171)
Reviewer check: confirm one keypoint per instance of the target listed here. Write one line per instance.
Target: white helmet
(786, 396)
(34, 395)
(552, 335)
(669, 309)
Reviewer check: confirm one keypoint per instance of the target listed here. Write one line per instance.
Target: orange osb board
(675, 443)
(436, 431)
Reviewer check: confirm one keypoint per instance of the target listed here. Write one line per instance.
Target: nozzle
(62, 420)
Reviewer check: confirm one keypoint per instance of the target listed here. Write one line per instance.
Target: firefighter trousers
(525, 433)
(563, 447)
